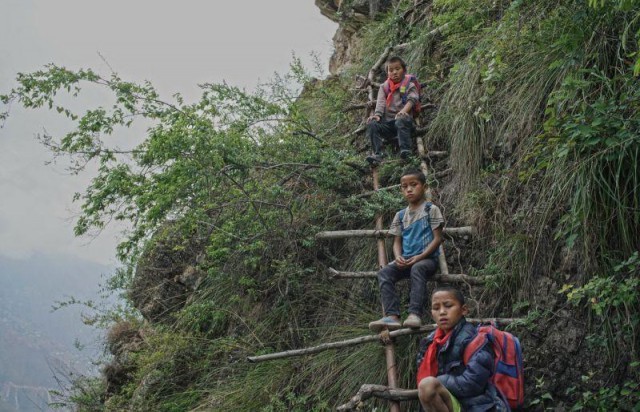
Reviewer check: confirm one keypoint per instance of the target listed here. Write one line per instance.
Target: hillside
(531, 118)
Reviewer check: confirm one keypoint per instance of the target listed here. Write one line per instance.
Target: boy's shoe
(412, 321)
(385, 323)
(404, 154)
(375, 159)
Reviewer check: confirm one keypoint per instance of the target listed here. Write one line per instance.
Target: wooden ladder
(390, 392)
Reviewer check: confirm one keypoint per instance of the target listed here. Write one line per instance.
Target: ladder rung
(364, 339)
(434, 153)
(372, 192)
(439, 277)
(344, 234)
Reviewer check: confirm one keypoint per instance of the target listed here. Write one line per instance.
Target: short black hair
(417, 173)
(397, 59)
(451, 289)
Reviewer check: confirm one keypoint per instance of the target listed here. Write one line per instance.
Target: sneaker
(404, 154)
(375, 159)
(412, 321)
(385, 323)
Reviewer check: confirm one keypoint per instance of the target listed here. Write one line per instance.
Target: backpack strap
(427, 209)
(404, 87)
(401, 216)
(478, 342)
(386, 88)
(404, 90)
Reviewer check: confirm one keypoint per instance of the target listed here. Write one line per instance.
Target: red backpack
(508, 376)
(404, 90)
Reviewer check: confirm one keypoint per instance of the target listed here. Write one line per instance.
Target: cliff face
(351, 17)
(166, 275)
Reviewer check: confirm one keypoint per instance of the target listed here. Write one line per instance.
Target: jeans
(402, 127)
(419, 274)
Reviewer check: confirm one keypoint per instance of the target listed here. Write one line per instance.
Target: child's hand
(401, 262)
(401, 114)
(411, 261)
(372, 118)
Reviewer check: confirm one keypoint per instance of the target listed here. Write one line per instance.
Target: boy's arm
(473, 381)
(396, 230)
(397, 252)
(405, 110)
(412, 99)
(381, 104)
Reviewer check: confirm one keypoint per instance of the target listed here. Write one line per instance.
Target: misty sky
(175, 45)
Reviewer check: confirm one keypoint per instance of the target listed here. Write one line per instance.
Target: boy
(445, 384)
(418, 234)
(393, 116)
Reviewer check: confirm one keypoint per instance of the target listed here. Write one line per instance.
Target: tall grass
(495, 97)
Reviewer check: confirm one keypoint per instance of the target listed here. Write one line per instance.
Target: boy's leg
(377, 131)
(434, 397)
(387, 278)
(421, 272)
(404, 127)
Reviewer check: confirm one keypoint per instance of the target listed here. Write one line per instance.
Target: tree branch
(305, 133)
(368, 105)
(253, 204)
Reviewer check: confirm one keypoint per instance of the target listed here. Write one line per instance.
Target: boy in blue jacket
(445, 383)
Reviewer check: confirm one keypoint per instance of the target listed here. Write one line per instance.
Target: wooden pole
(438, 277)
(379, 391)
(442, 259)
(389, 351)
(365, 339)
(382, 233)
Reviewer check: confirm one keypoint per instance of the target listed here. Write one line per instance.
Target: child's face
(446, 310)
(412, 189)
(395, 71)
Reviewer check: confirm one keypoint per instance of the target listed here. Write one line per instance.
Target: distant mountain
(34, 340)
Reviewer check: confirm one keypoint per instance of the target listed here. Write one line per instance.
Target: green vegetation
(538, 107)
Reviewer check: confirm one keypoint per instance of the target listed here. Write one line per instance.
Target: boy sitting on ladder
(398, 101)
(417, 234)
(450, 379)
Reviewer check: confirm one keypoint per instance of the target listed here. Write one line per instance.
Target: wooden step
(378, 391)
(372, 192)
(345, 234)
(434, 154)
(365, 339)
(439, 277)
(438, 175)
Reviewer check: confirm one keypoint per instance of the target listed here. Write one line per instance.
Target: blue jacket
(469, 384)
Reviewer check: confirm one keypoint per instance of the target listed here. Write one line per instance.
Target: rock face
(123, 339)
(351, 15)
(165, 276)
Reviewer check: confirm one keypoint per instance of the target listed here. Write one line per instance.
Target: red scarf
(429, 365)
(392, 88)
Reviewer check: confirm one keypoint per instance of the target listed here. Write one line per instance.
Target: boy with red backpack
(397, 104)
(464, 368)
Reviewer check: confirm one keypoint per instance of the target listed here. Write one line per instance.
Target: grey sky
(175, 45)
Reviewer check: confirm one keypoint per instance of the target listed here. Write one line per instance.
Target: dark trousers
(419, 274)
(378, 131)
